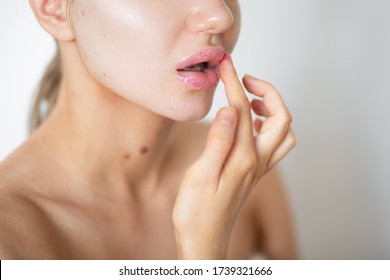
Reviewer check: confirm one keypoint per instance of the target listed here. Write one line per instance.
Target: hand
(219, 182)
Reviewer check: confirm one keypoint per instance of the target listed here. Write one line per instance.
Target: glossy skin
(123, 41)
(113, 158)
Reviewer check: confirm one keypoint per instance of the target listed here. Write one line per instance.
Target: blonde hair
(47, 93)
(49, 86)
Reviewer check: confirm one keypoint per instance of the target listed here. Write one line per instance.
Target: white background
(331, 62)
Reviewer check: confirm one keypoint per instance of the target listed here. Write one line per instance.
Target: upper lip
(211, 55)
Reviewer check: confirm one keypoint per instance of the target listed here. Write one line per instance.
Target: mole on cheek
(144, 150)
(83, 13)
(85, 55)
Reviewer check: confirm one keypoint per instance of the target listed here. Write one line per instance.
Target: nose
(211, 16)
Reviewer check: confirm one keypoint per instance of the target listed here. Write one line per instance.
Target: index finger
(237, 99)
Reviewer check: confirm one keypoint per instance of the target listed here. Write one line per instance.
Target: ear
(52, 16)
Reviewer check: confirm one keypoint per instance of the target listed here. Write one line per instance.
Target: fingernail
(227, 116)
(227, 57)
(250, 77)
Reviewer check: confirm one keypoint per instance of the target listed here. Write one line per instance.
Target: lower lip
(207, 79)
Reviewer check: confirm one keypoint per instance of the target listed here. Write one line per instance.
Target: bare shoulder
(269, 188)
(273, 218)
(22, 224)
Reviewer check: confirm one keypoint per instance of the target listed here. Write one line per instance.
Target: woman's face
(151, 52)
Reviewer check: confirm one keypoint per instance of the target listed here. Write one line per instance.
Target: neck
(100, 136)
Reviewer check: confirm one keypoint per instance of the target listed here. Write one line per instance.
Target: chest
(149, 236)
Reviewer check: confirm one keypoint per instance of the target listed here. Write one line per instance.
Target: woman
(117, 170)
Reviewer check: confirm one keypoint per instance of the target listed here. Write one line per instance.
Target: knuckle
(285, 122)
(287, 118)
(292, 142)
(284, 126)
(248, 165)
(194, 173)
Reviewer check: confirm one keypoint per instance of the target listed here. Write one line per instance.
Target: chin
(193, 111)
(190, 116)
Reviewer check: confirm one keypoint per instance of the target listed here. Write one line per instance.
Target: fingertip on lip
(222, 67)
(227, 57)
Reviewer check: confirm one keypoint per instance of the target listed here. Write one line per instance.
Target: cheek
(136, 61)
(116, 48)
(131, 48)
(231, 36)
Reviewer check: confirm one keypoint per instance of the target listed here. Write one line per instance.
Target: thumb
(219, 143)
